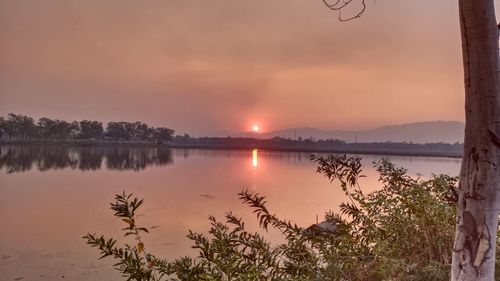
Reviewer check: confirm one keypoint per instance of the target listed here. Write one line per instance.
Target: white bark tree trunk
(479, 185)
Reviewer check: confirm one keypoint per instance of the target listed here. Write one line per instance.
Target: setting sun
(255, 128)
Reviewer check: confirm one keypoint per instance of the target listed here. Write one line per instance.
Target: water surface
(51, 196)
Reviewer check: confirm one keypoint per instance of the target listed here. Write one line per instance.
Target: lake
(51, 196)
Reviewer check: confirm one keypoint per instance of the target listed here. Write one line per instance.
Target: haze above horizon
(204, 66)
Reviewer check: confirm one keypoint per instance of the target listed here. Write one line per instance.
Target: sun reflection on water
(255, 161)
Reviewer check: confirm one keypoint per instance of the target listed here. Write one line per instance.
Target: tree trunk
(479, 186)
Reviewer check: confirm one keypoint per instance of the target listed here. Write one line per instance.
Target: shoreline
(336, 151)
(340, 150)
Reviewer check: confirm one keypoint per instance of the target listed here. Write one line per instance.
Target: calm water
(51, 196)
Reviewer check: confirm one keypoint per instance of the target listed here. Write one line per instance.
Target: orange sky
(201, 66)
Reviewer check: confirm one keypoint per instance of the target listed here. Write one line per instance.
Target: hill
(420, 132)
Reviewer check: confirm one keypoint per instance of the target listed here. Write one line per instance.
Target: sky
(204, 66)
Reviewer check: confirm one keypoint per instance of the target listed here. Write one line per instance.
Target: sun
(255, 128)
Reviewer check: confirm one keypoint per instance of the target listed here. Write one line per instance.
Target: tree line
(24, 128)
(330, 145)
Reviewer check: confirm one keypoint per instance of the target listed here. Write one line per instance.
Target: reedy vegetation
(402, 231)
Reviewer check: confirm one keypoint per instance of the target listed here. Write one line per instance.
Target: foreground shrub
(402, 231)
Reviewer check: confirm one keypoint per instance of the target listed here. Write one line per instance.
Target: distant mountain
(421, 132)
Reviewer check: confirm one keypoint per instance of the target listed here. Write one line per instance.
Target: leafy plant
(133, 262)
(402, 231)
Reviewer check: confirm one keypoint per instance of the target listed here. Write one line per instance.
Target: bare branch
(334, 5)
(338, 5)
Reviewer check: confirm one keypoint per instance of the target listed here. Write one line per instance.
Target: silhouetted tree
(55, 129)
(136, 130)
(2, 127)
(46, 128)
(20, 126)
(184, 139)
(90, 129)
(162, 134)
(117, 131)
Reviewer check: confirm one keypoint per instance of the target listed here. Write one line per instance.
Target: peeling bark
(479, 186)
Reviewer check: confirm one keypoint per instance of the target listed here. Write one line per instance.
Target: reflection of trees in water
(55, 158)
(91, 158)
(136, 158)
(15, 159)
